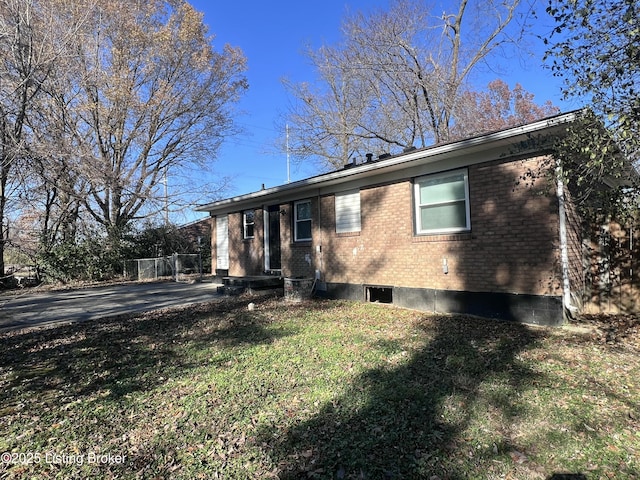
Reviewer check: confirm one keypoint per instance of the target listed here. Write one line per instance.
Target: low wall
(532, 309)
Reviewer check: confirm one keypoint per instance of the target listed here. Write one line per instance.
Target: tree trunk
(4, 172)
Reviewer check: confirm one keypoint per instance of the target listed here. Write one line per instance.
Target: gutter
(396, 162)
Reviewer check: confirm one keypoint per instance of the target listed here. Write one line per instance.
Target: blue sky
(272, 36)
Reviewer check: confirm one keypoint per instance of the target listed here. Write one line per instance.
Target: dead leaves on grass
(448, 352)
(620, 330)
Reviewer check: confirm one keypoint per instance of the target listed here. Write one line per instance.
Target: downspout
(564, 249)
(320, 248)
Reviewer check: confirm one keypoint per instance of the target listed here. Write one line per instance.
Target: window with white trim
(442, 203)
(348, 211)
(248, 222)
(302, 221)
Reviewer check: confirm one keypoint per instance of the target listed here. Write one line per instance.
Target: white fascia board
(467, 147)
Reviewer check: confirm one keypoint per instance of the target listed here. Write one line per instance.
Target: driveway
(36, 309)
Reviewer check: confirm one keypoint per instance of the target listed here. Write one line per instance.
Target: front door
(272, 253)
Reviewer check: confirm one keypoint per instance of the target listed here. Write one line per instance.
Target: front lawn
(316, 390)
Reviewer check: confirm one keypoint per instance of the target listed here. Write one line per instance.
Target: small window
(442, 203)
(348, 212)
(379, 294)
(302, 224)
(248, 221)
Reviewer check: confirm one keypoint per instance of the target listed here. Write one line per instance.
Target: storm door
(272, 251)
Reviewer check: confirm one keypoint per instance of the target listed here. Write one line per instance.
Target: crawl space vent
(379, 294)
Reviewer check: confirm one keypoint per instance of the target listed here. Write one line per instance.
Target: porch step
(239, 285)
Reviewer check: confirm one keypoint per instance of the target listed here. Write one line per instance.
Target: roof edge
(430, 151)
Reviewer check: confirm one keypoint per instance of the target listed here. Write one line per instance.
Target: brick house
(198, 236)
(448, 228)
(197, 231)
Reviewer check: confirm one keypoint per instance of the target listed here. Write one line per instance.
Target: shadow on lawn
(408, 421)
(118, 356)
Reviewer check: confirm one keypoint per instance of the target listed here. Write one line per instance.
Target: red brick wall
(512, 246)
(298, 259)
(246, 256)
(200, 229)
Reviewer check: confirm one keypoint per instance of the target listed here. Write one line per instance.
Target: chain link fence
(180, 267)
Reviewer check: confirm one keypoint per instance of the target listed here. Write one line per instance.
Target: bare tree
(326, 119)
(28, 42)
(397, 78)
(98, 98)
(142, 92)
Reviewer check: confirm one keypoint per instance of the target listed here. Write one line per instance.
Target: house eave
(420, 156)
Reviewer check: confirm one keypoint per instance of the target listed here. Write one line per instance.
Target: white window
(442, 203)
(348, 212)
(302, 223)
(248, 222)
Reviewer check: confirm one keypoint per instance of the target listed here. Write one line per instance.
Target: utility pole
(288, 163)
(166, 198)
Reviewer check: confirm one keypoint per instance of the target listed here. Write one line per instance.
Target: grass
(315, 390)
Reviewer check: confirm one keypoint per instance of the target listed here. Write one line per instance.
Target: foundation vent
(375, 294)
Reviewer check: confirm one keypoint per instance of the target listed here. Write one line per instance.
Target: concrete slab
(46, 308)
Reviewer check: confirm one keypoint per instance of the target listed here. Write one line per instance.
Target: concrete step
(253, 282)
